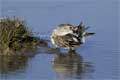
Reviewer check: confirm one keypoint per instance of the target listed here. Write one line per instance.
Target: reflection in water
(12, 64)
(66, 65)
(71, 64)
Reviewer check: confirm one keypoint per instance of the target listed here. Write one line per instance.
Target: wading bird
(69, 36)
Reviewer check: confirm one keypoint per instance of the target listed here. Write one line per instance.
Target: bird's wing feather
(70, 39)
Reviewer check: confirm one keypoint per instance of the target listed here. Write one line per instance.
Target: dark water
(97, 59)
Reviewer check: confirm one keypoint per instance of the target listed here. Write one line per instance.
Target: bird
(69, 36)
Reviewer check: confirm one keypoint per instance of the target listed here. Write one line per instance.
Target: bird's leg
(71, 50)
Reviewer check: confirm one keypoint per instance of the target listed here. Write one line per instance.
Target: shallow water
(97, 59)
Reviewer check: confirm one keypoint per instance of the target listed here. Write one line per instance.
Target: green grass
(15, 35)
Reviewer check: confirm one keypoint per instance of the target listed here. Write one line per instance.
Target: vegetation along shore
(15, 36)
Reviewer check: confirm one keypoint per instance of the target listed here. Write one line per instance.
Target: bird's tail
(88, 34)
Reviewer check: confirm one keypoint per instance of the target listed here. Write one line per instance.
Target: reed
(14, 34)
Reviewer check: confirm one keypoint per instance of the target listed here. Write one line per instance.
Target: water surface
(97, 59)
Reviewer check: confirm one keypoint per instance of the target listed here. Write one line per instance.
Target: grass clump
(15, 35)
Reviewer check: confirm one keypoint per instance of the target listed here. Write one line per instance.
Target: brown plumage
(69, 36)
